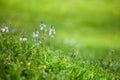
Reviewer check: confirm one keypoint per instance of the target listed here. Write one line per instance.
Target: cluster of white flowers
(51, 29)
(4, 29)
(23, 39)
(38, 38)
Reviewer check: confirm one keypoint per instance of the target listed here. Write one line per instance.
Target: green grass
(85, 47)
(25, 60)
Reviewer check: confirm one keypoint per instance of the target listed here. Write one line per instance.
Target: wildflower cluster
(20, 60)
(39, 35)
(5, 29)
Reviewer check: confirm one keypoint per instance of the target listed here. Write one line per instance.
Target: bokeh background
(83, 22)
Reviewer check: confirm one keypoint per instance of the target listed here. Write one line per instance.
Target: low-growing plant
(36, 58)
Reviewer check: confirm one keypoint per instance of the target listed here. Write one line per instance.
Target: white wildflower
(36, 33)
(23, 39)
(42, 26)
(4, 29)
(52, 31)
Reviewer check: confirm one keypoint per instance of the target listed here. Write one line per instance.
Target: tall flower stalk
(52, 31)
(43, 29)
(36, 37)
(51, 34)
(42, 26)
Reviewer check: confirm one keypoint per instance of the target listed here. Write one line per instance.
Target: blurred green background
(85, 22)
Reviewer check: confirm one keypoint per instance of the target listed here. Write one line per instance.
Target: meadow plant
(52, 31)
(23, 60)
(42, 26)
(23, 38)
(5, 29)
(36, 36)
(43, 30)
(36, 33)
